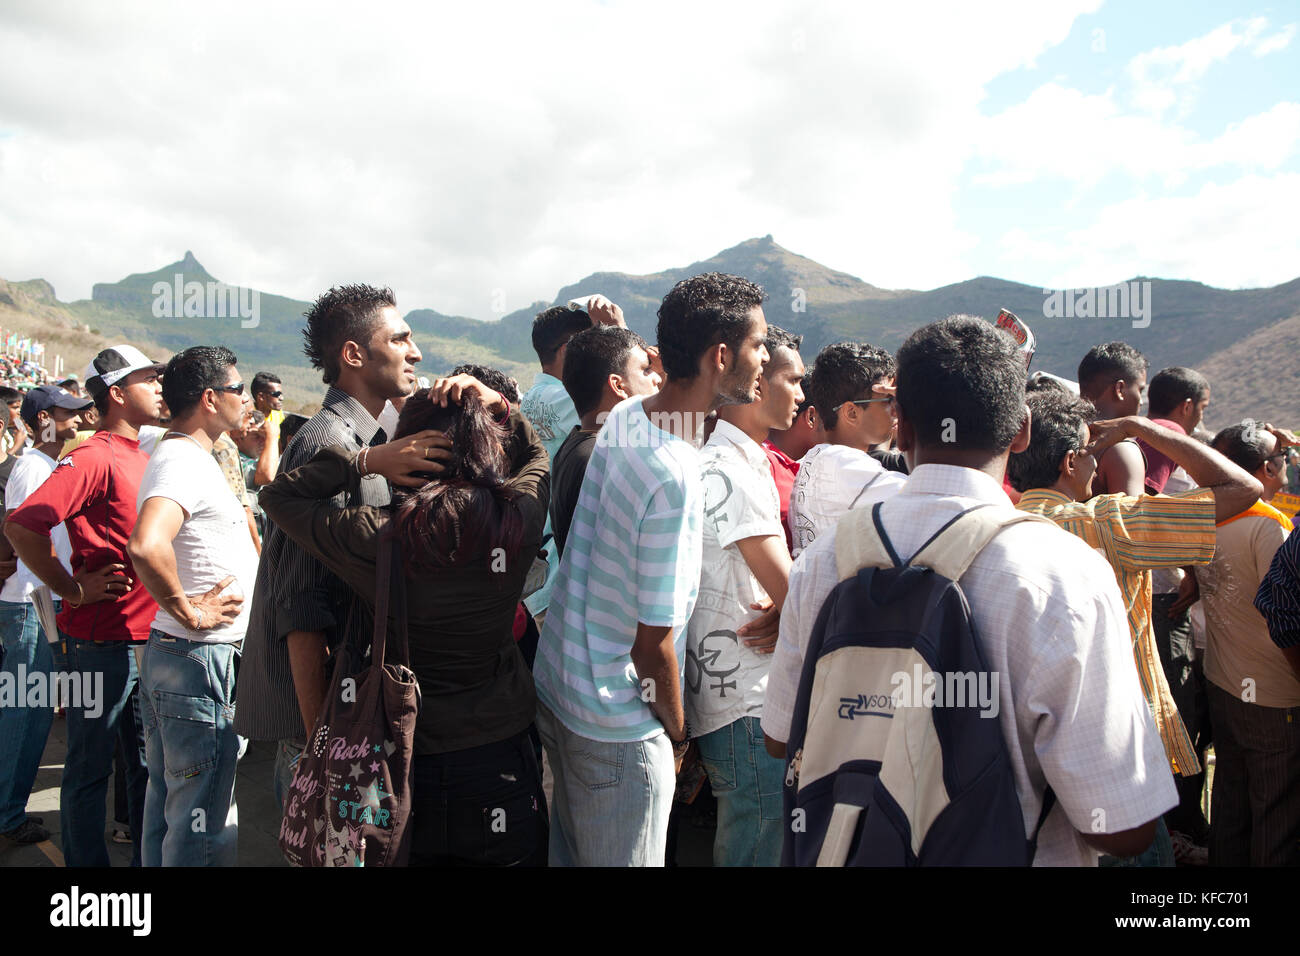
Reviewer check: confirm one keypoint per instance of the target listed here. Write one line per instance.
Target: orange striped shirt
(1136, 535)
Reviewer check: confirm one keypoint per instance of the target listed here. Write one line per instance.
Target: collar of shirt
(954, 481)
(724, 431)
(546, 378)
(1044, 498)
(785, 460)
(36, 451)
(352, 412)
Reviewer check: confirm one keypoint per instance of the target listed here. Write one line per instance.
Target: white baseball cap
(114, 364)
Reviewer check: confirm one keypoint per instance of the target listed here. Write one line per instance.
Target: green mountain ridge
(1189, 323)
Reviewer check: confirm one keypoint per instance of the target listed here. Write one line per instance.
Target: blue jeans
(1159, 854)
(187, 694)
(611, 800)
(108, 666)
(25, 723)
(747, 782)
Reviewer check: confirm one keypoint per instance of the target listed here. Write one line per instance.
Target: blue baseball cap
(44, 397)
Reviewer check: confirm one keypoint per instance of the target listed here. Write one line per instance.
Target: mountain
(1241, 339)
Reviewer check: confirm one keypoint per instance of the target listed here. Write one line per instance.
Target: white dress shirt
(832, 480)
(1051, 622)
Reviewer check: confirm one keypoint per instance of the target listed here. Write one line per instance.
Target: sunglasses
(863, 401)
(236, 389)
(274, 394)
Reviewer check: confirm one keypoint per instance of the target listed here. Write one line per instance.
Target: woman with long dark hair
(471, 488)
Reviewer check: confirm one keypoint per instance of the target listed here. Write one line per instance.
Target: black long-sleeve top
(474, 684)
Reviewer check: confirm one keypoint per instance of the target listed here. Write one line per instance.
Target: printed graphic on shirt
(711, 666)
(545, 420)
(717, 492)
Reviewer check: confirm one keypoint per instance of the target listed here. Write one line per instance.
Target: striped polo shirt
(1136, 535)
(632, 555)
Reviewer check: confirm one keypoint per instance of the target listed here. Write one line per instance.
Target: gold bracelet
(81, 595)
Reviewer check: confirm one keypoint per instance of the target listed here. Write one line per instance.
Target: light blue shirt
(549, 409)
(632, 555)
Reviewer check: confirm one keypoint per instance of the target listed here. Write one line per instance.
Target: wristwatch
(686, 737)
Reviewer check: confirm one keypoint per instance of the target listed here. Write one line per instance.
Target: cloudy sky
(474, 156)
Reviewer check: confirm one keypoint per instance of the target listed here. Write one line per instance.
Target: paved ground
(259, 816)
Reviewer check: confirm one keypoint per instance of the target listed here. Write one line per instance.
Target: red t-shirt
(1159, 465)
(93, 492)
(784, 468)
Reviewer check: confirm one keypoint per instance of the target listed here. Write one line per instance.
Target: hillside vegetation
(1243, 340)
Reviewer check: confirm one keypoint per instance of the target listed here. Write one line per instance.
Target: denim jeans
(1159, 854)
(483, 806)
(748, 784)
(25, 723)
(611, 800)
(91, 743)
(188, 699)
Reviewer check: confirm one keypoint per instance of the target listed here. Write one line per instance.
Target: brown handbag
(350, 801)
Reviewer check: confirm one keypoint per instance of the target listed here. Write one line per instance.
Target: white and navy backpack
(882, 771)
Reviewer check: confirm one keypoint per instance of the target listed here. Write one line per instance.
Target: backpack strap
(951, 551)
(861, 541)
(1049, 801)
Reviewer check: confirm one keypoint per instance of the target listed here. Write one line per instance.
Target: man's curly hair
(700, 312)
(346, 313)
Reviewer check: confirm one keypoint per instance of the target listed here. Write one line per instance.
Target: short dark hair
(1172, 386)
(493, 378)
(346, 313)
(191, 373)
(1056, 418)
(962, 376)
(595, 354)
(262, 382)
(1243, 444)
(554, 327)
(1108, 363)
(8, 394)
(779, 338)
(846, 371)
(701, 312)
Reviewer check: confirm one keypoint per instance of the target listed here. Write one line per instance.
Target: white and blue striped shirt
(632, 555)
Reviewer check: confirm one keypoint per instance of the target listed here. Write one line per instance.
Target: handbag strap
(383, 589)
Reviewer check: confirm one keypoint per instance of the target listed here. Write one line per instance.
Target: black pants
(480, 807)
(1187, 687)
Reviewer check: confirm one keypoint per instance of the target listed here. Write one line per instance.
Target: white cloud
(1169, 76)
(1240, 234)
(1082, 138)
(455, 150)
(1278, 41)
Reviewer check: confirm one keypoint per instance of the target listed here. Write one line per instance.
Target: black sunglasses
(236, 389)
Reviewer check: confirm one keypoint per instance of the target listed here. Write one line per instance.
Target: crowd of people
(625, 575)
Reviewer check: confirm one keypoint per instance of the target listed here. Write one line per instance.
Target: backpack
(882, 771)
